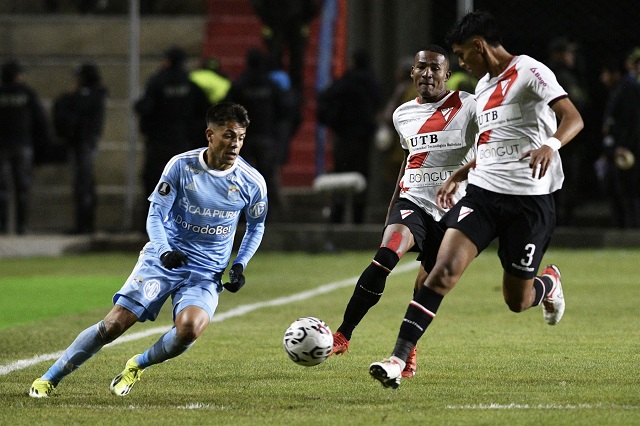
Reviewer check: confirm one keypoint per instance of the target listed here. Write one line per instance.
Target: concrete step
(77, 36)
(51, 47)
(52, 76)
(110, 7)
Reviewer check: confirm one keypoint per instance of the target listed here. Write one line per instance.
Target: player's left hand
(446, 193)
(539, 160)
(236, 279)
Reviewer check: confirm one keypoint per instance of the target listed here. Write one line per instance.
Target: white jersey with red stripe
(440, 137)
(514, 117)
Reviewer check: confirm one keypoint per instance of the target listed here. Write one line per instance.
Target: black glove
(236, 278)
(173, 259)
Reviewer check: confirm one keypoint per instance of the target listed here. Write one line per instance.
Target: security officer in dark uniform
(286, 28)
(22, 122)
(170, 106)
(264, 100)
(79, 120)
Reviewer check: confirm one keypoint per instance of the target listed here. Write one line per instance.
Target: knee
(398, 240)
(188, 329)
(444, 279)
(187, 333)
(111, 329)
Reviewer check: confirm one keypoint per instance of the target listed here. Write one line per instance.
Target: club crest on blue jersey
(233, 193)
(258, 209)
(164, 188)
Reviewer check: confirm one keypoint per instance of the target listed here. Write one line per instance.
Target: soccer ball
(308, 341)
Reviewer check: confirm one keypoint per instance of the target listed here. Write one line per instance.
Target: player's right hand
(446, 193)
(173, 259)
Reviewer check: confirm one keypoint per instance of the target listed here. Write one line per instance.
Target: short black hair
(223, 112)
(361, 58)
(478, 23)
(89, 75)
(256, 59)
(10, 71)
(436, 49)
(176, 56)
(614, 63)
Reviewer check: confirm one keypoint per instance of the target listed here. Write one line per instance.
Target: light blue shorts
(150, 285)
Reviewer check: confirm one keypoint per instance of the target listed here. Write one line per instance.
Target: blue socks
(86, 345)
(165, 348)
(91, 340)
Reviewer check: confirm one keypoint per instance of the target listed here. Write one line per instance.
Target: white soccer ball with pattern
(308, 341)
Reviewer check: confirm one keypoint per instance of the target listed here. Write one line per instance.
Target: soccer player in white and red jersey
(510, 185)
(437, 131)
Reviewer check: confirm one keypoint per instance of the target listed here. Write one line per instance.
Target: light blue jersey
(195, 209)
(201, 207)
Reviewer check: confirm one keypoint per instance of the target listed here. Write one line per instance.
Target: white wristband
(553, 143)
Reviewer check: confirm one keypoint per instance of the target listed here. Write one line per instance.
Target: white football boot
(388, 372)
(553, 304)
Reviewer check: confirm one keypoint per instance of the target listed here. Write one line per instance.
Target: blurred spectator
(286, 26)
(563, 62)
(78, 117)
(290, 117)
(211, 80)
(264, 100)
(349, 107)
(633, 63)
(167, 111)
(621, 144)
(386, 137)
(23, 128)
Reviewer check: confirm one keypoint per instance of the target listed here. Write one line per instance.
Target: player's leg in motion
(87, 344)
(545, 290)
(397, 240)
(455, 254)
(189, 325)
(412, 359)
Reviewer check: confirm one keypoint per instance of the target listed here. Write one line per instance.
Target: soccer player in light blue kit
(191, 224)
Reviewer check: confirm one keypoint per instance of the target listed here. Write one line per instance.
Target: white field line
(236, 312)
(514, 406)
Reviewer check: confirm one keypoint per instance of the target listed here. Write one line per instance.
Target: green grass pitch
(478, 364)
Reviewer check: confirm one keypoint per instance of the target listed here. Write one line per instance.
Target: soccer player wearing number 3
(191, 224)
(437, 130)
(510, 185)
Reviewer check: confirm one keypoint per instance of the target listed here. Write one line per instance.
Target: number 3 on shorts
(530, 249)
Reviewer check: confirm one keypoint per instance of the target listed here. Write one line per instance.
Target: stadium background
(51, 45)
